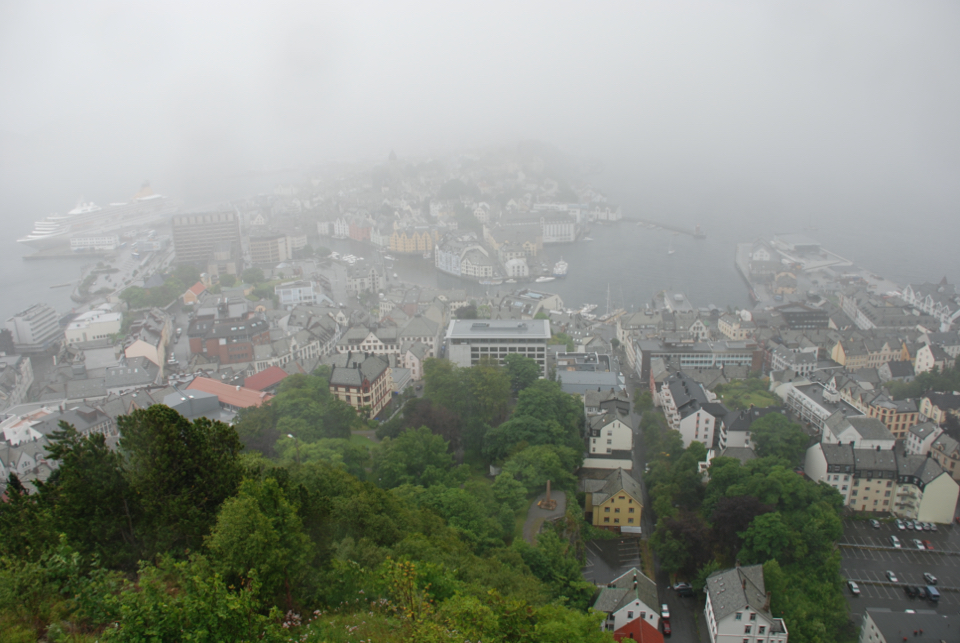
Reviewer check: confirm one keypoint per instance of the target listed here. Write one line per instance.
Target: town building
(936, 406)
(230, 341)
(692, 412)
(270, 249)
(295, 293)
(737, 608)
(945, 451)
(631, 607)
(883, 625)
(362, 380)
(34, 329)
(99, 323)
(940, 300)
(469, 341)
(608, 433)
(614, 503)
(920, 438)
(16, 377)
(210, 239)
(148, 337)
(231, 398)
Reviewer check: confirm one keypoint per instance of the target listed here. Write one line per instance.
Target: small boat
(510, 281)
(541, 280)
(389, 258)
(588, 238)
(395, 276)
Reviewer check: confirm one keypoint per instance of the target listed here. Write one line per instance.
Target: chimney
(766, 603)
(743, 583)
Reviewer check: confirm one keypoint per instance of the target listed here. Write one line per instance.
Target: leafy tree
(536, 464)
(682, 543)
(732, 516)
(259, 534)
(441, 421)
(510, 492)
(518, 432)
(257, 428)
(545, 400)
(777, 436)
(337, 452)
(228, 280)
(553, 562)
(186, 274)
(466, 312)
(643, 402)
(522, 371)
(405, 459)
(181, 471)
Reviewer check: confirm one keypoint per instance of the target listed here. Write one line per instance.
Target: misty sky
(851, 104)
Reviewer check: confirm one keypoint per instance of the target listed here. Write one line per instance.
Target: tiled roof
(265, 379)
(237, 396)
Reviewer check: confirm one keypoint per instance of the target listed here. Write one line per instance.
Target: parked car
(854, 588)
(892, 577)
(664, 611)
(666, 627)
(911, 591)
(933, 593)
(933, 526)
(918, 544)
(921, 592)
(900, 525)
(910, 525)
(895, 541)
(875, 523)
(928, 545)
(930, 578)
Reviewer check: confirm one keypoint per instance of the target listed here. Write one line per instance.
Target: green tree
(519, 432)
(94, 505)
(181, 471)
(533, 466)
(775, 435)
(643, 402)
(252, 276)
(406, 458)
(522, 371)
(259, 534)
(228, 280)
(510, 492)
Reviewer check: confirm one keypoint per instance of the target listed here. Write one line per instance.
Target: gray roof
(619, 480)
(620, 592)
(737, 589)
(921, 467)
(894, 626)
(743, 454)
(837, 454)
(923, 430)
(351, 369)
(873, 460)
(946, 444)
(870, 428)
(500, 329)
(741, 420)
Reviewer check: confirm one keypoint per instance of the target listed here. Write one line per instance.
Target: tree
(406, 458)
(643, 402)
(466, 312)
(181, 471)
(257, 428)
(441, 421)
(520, 430)
(258, 532)
(777, 436)
(252, 276)
(94, 505)
(227, 280)
(510, 492)
(522, 371)
(536, 464)
(730, 518)
(545, 400)
(765, 539)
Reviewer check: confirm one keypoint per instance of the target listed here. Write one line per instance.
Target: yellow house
(614, 503)
(415, 242)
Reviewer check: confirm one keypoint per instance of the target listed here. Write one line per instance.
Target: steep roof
(736, 589)
(619, 480)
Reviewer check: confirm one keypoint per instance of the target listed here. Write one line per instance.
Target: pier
(696, 233)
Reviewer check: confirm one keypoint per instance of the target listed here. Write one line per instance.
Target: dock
(696, 233)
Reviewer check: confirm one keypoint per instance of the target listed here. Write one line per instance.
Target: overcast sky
(788, 99)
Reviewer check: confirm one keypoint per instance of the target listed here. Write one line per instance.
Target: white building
(296, 293)
(690, 410)
(98, 242)
(95, 324)
(35, 328)
(609, 433)
(920, 438)
(469, 341)
(738, 608)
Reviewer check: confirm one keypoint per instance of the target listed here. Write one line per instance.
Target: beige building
(94, 324)
(614, 503)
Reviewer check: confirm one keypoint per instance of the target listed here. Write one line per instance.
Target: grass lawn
(361, 440)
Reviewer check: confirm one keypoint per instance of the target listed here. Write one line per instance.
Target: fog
(750, 109)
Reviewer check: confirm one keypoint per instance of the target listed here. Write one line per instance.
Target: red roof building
(193, 293)
(266, 379)
(231, 397)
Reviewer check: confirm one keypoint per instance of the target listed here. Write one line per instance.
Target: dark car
(666, 627)
(921, 592)
(911, 591)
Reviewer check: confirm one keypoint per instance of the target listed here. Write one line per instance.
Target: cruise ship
(88, 218)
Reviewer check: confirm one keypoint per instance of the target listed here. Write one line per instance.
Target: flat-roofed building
(94, 324)
(34, 329)
(468, 341)
(197, 235)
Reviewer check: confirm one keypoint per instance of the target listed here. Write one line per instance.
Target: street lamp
(297, 443)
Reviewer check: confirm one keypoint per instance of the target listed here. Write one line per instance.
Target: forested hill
(312, 532)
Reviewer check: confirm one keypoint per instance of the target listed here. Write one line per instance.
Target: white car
(892, 577)
(664, 611)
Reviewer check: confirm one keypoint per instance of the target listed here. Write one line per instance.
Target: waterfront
(632, 260)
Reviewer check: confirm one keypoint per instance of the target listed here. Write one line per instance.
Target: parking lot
(867, 555)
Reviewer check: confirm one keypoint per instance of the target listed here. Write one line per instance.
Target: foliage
(227, 280)
(522, 371)
(775, 435)
(181, 472)
(252, 276)
(945, 382)
(411, 456)
(563, 339)
(643, 402)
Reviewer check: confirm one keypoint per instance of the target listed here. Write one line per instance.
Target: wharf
(62, 253)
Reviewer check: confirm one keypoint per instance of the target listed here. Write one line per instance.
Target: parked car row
(914, 525)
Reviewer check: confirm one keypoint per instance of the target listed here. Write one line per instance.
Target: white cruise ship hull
(47, 242)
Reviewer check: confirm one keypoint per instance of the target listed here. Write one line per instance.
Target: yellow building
(413, 241)
(615, 502)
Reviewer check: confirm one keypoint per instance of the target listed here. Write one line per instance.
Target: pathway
(536, 515)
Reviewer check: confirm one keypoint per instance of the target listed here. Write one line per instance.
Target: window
(629, 614)
(761, 629)
(746, 629)
(616, 510)
(606, 509)
(630, 520)
(753, 616)
(630, 510)
(616, 520)
(739, 616)
(606, 520)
